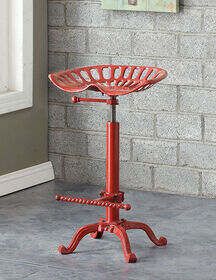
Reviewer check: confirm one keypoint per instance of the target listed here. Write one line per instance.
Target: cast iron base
(119, 229)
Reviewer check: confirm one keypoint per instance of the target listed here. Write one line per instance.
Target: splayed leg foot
(83, 231)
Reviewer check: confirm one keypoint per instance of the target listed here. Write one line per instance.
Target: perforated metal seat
(109, 79)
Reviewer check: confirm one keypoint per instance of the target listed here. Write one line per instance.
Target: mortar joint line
(152, 169)
(203, 128)
(200, 184)
(132, 34)
(203, 74)
(178, 44)
(65, 116)
(155, 126)
(65, 14)
(131, 149)
(67, 55)
(178, 154)
(202, 20)
(67, 125)
(63, 167)
(178, 99)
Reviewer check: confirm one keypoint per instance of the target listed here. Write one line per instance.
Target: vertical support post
(112, 163)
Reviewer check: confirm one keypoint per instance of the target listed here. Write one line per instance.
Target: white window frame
(20, 59)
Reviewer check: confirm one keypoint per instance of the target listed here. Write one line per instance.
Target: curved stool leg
(83, 231)
(97, 234)
(122, 235)
(162, 241)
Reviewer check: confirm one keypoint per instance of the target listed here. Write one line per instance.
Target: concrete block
(105, 41)
(188, 20)
(57, 62)
(75, 170)
(176, 180)
(76, 60)
(57, 95)
(54, 141)
(67, 40)
(157, 98)
(125, 101)
(182, 72)
(56, 15)
(125, 148)
(57, 162)
(210, 129)
(175, 126)
(155, 44)
(96, 171)
(97, 147)
(153, 151)
(128, 60)
(125, 19)
(209, 184)
(135, 176)
(56, 116)
(194, 46)
(199, 3)
(209, 20)
(197, 100)
(212, 49)
(86, 14)
(136, 123)
(87, 118)
(68, 142)
(210, 73)
(197, 155)
(85, 171)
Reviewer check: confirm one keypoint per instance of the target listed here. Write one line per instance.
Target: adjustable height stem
(112, 163)
(113, 110)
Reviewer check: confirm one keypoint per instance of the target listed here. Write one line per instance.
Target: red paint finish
(127, 80)
(112, 80)
(76, 99)
(112, 167)
(119, 229)
(94, 202)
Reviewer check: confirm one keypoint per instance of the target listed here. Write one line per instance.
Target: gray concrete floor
(32, 224)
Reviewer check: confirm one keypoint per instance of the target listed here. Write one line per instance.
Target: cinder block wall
(168, 133)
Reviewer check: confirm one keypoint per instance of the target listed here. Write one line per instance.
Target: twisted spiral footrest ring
(93, 202)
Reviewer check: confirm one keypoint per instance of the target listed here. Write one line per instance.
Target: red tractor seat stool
(112, 80)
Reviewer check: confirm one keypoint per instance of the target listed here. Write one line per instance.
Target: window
(16, 55)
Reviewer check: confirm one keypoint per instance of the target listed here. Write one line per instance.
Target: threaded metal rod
(113, 111)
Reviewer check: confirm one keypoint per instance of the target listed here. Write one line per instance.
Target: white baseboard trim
(26, 178)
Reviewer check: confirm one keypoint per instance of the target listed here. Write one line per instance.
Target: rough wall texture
(169, 132)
